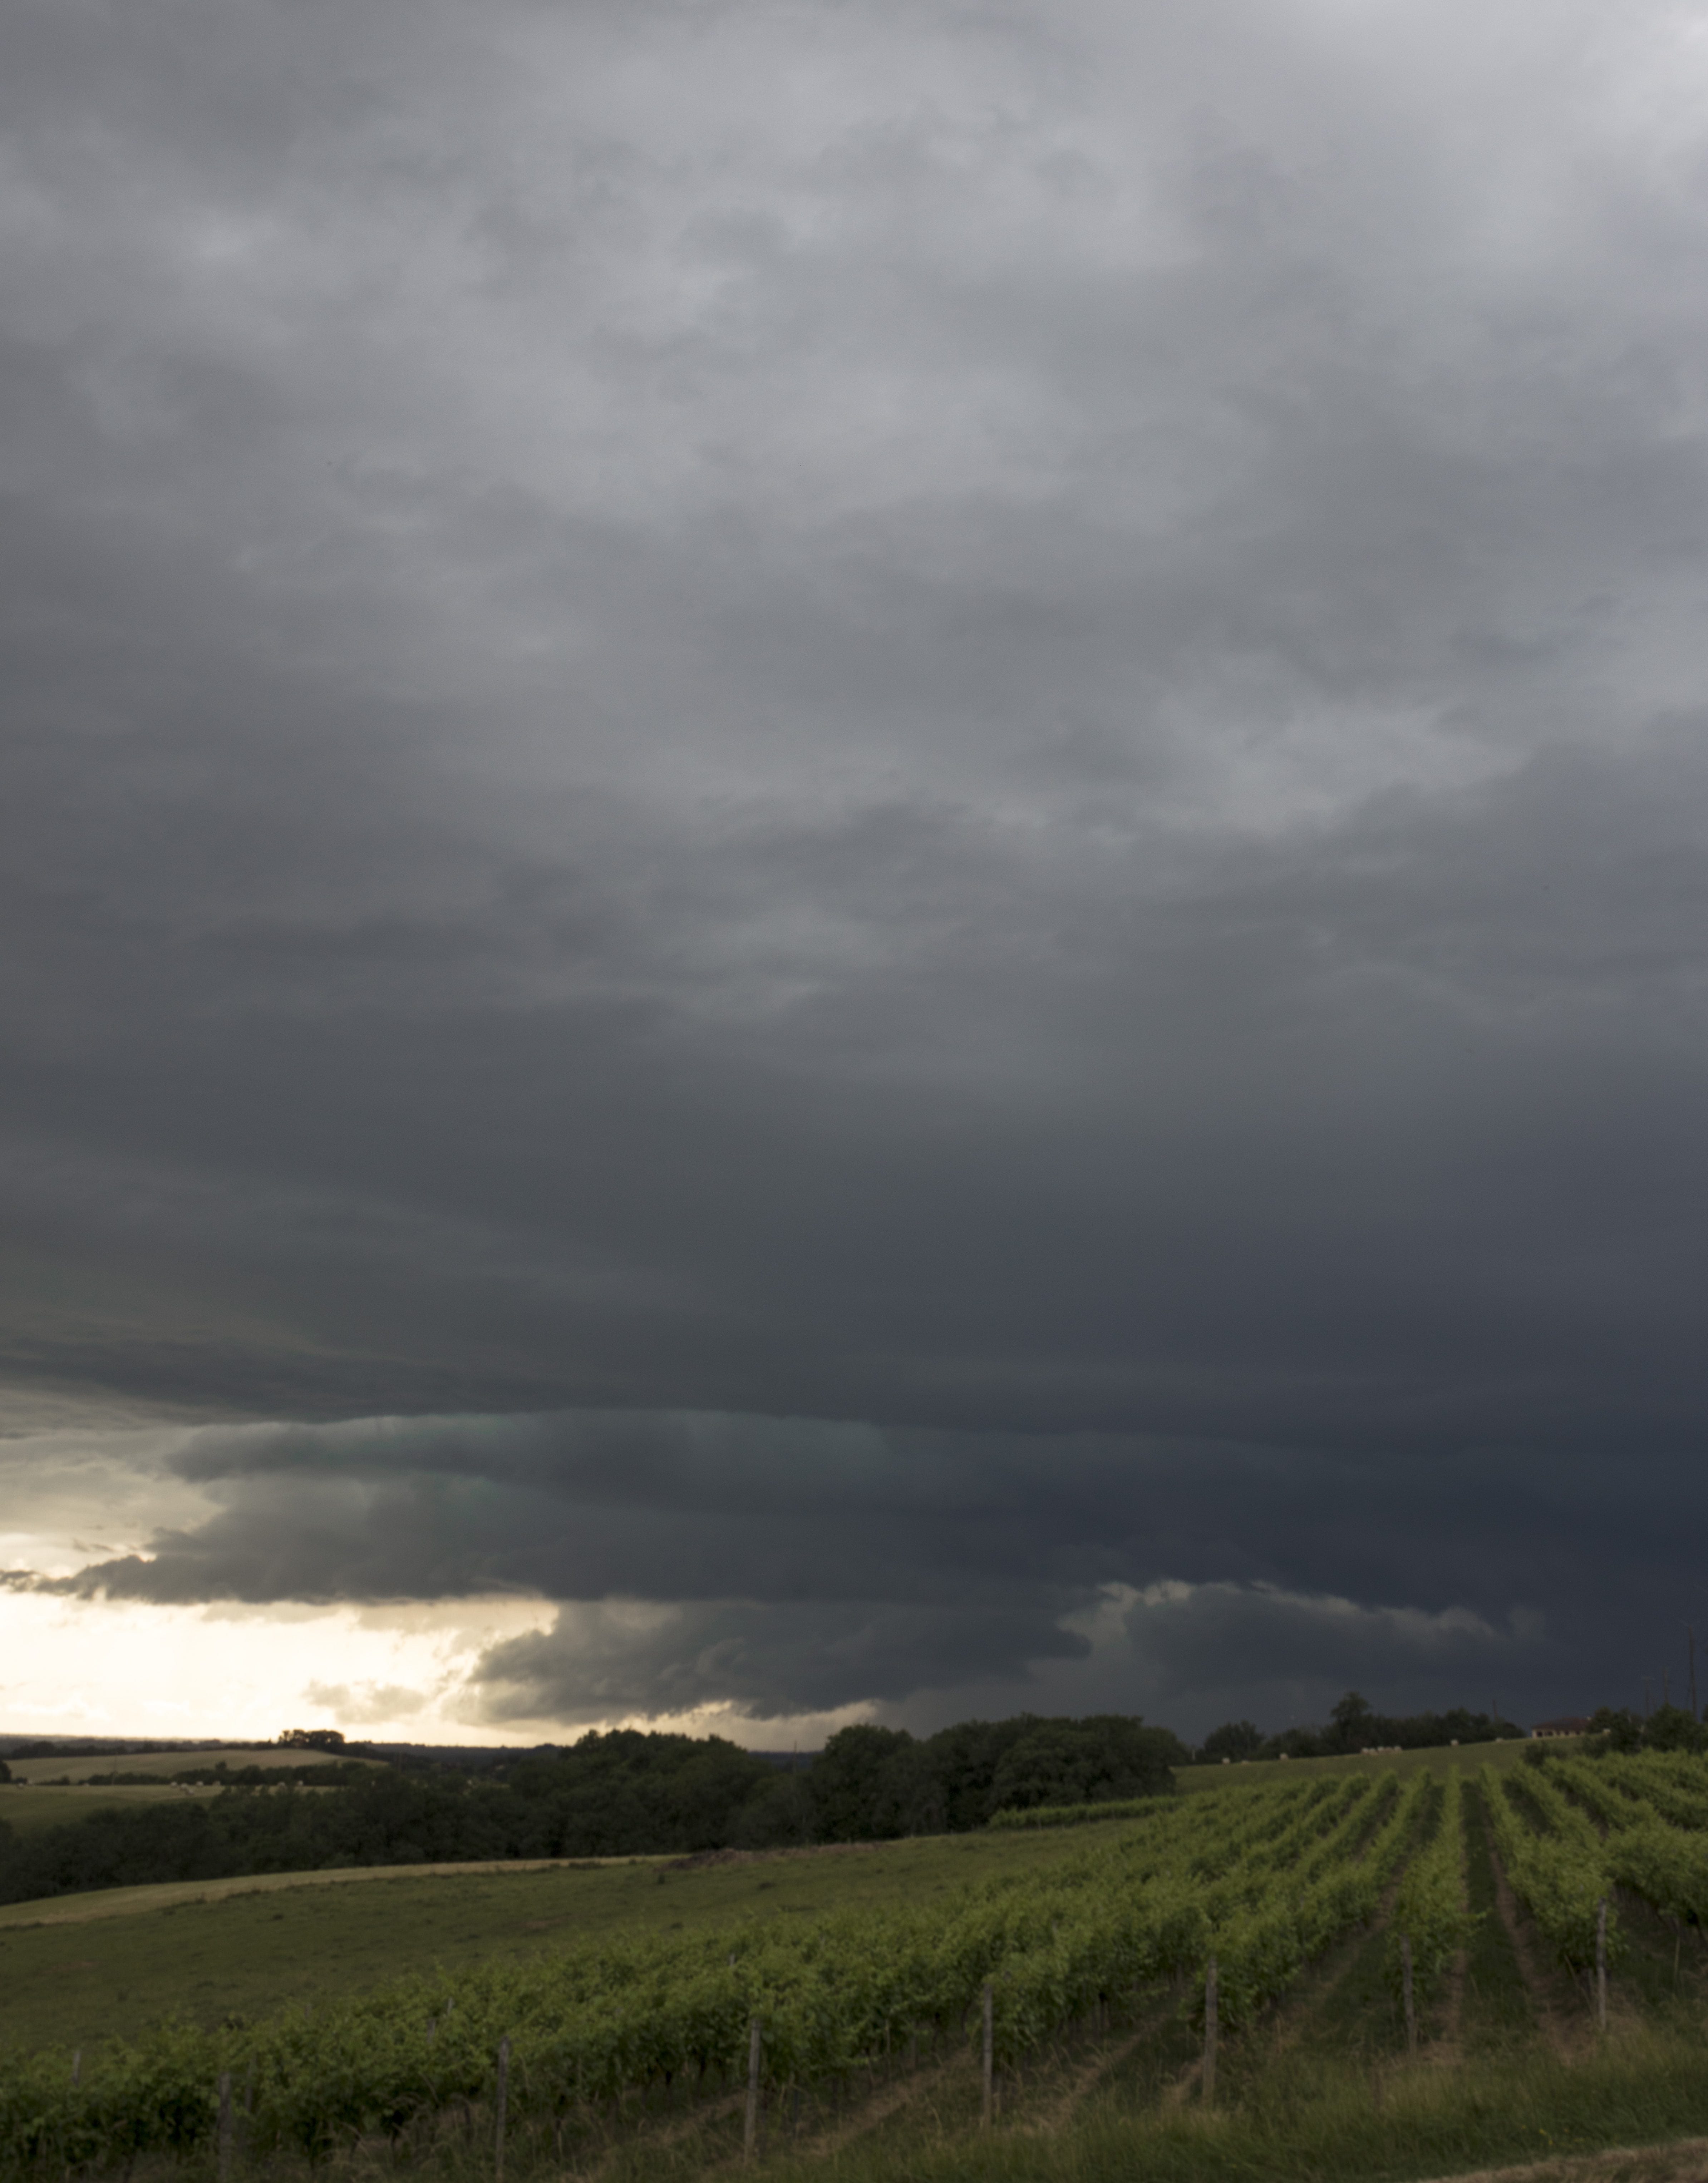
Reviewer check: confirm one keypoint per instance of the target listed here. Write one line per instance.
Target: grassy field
(1467, 1758)
(1538, 2115)
(40, 1804)
(169, 1763)
(30, 1811)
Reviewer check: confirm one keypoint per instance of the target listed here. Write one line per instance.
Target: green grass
(1440, 1760)
(1308, 2117)
(35, 1807)
(169, 1763)
(32, 1811)
(76, 1970)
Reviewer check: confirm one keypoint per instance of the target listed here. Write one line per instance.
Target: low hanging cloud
(759, 1659)
(1215, 1651)
(794, 1566)
(1185, 1653)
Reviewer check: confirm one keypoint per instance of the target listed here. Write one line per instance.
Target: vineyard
(1187, 1921)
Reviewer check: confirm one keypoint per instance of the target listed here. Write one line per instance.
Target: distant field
(138, 1954)
(1439, 1761)
(173, 1762)
(30, 1811)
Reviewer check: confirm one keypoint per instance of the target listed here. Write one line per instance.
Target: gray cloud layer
(982, 722)
(795, 1566)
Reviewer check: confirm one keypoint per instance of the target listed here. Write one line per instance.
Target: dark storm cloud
(984, 726)
(811, 1564)
(761, 1660)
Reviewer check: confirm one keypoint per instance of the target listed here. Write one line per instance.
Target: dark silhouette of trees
(624, 1794)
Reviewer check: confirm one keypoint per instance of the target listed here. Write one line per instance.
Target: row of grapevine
(1666, 1867)
(1070, 1815)
(1236, 1859)
(1430, 1910)
(1672, 1783)
(1262, 1948)
(1561, 1875)
(1321, 1819)
(1665, 1864)
(1606, 1804)
(831, 1996)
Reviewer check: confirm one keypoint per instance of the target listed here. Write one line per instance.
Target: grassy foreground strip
(1325, 2122)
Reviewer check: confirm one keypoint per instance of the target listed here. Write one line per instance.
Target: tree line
(1668, 1728)
(1355, 1726)
(628, 1793)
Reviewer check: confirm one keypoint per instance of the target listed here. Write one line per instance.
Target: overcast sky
(853, 859)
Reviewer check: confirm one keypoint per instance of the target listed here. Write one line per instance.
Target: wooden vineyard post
(989, 2052)
(1601, 1965)
(224, 2153)
(503, 2102)
(750, 2131)
(1405, 1988)
(1209, 2034)
(77, 2068)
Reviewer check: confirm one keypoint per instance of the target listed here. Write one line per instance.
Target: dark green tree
(1673, 1728)
(867, 1784)
(780, 1815)
(1097, 1760)
(964, 1760)
(1352, 1724)
(1616, 1729)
